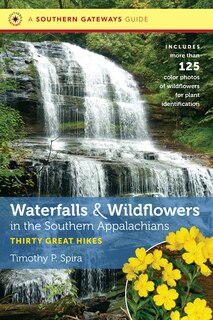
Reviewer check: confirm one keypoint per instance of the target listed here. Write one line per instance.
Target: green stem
(154, 306)
(164, 316)
(194, 276)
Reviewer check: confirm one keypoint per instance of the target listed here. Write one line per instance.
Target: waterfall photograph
(99, 115)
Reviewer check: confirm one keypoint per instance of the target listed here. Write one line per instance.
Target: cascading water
(97, 143)
(92, 281)
(50, 90)
(168, 181)
(76, 177)
(113, 107)
(25, 286)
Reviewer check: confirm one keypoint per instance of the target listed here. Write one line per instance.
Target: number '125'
(189, 66)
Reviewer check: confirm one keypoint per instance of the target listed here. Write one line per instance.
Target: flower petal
(169, 304)
(158, 300)
(140, 253)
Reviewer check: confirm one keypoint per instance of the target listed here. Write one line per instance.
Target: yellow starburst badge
(15, 19)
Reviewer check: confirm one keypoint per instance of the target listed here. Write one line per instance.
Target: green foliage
(11, 124)
(13, 178)
(28, 4)
(31, 70)
(5, 38)
(123, 47)
(198, 137)
(65, 292)
(164, 4)
(60, 288)
(208, 117)
(98, 4)
(72, 125)
(124, 4)
(205, 4)
(132, 4)
(6, 84)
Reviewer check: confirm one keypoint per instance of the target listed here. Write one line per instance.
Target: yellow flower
(170, 275)
(130, 270)
(137, 264)
(177, 240)
(194, 253)
(196, 235)
(197, 310)
(158, 261)
(143, 286)
(208, 249)
(182, 235)
(205, 270)
(142, 261)
(165, 297)
(175, 315)
(173, 242)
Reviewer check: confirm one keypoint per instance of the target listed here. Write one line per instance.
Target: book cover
(106, 178)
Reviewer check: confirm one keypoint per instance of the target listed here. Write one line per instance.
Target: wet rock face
(59, 87)
(22, 78)
(96, 304)
(19, 68)
(24, 92)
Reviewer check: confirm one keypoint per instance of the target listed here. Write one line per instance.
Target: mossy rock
(32, 70)
(66, 126)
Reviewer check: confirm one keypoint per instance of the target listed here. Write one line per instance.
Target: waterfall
(29, 286)
(50, 89)
(113, 107)
(113, 110)
(168, 181)
(97, 280)
(96, 144)
(74, 176)
(112, 100)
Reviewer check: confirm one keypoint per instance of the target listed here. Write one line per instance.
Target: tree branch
(60, 4)
(6, 4)
(75, 2)
(125, 312)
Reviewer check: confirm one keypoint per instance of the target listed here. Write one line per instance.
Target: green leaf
(196, 285)
(182, 293)
(147, 316)
(142, 303)
(184, 269)
(194, 296)
(135, 296)
(170, 259)
(150, 311)
(133, 307)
